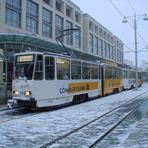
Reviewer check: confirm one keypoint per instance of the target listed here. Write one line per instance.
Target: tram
(128, 78)
(43, 79)
(47, 79)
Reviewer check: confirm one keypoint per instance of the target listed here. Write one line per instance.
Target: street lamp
(125, 20)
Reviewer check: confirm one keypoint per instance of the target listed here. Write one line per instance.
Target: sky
(110, 17)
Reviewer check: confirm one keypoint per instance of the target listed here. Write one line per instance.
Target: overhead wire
(124, 16)
(131, 6)
(128, 48)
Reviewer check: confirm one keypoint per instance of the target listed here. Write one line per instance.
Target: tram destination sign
(24, 58)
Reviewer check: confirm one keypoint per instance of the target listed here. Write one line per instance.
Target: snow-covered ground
(39, 129)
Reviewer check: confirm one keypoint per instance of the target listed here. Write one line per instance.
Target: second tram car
(111, 79)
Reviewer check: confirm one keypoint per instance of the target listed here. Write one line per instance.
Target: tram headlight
(27, 93)
(15, 93)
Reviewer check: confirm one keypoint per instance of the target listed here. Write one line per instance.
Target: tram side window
(86, 71)
(39, 68)
(110, 73)
(94, 72)
(120, 74)
(125, 74)
(49, 68)
(63, 69)
(106, 72)
(114, 72)
(130, 74)
(75, 70)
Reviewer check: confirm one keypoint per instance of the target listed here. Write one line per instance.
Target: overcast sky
(107, 15)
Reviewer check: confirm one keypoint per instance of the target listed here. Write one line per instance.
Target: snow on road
(36, 130)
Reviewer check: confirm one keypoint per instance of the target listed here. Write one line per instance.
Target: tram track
(7, 114)
(128, 108)
(115, 126)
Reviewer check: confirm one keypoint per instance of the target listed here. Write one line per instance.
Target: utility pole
(135, 33)
(136, 52)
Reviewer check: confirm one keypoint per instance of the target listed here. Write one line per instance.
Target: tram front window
(24, 65)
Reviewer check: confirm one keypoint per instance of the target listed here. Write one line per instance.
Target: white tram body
(47, 79)
(128, 78)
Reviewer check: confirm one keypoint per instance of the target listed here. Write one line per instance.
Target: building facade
(44, 19)
(98, 40)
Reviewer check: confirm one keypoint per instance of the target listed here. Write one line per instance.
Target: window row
(100, 47)
(99, 31)
(13, 18)
(59, 5)
(111, 72)
(79, 70)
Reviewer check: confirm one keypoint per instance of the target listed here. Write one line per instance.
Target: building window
(59, 5)
(105, 49)
(47, 23)
(112, 52)
(77, 40)
(32, 17)
(109, 51)
(96, 29)
(112, 40)
(69, 11)
(96, 45)
(69, 37)
(91, 43)
(49, 2)
(77, 17)
(13, 13)
(105, 35)
(31, 25)
(46, 1)
(101, 47)
(108, 38)
(58, 26)
(101, 32)
(90, 26)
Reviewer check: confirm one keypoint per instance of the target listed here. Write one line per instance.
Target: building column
(2, 14)
(23, 16)
(40, 19)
